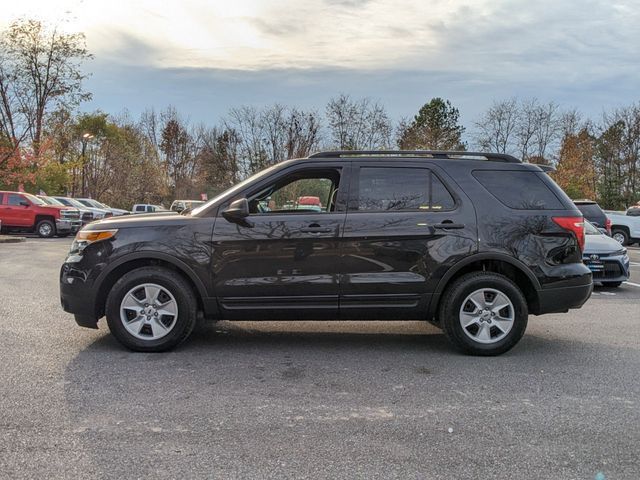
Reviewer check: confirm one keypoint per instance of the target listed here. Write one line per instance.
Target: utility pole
(85, 138)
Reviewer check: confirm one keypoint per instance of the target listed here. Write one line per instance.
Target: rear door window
(401, 189)
(521, 190)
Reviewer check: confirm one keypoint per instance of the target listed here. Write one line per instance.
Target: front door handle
(448, 225)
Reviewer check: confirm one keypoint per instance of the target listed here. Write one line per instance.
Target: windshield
(589, 229)
(52, 201)
(75, 203)
(237, 187)
(33, 199)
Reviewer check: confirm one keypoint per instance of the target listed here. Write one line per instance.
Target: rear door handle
(448, 225)
(316, 229)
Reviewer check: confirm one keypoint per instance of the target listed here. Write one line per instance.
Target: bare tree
(525, 127)
(357, 124)
(39, 67)
(546, 129)
(496, 129)
(178, 147)
(272, 134)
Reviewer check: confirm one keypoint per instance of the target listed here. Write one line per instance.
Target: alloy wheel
(487, 315)
(149, 311)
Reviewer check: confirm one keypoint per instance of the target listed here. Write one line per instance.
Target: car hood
(141, 220)
(600, 244)
(57, 207)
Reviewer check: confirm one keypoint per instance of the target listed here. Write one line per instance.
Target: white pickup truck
(625, 227)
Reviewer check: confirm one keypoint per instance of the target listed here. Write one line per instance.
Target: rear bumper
(562, 299)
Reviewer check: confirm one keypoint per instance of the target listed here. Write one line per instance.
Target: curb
(8, 239)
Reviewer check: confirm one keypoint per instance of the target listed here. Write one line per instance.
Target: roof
(433, 154)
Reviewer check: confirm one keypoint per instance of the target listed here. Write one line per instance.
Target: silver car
(605, 257)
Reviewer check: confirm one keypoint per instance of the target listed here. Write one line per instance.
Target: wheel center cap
(149, 311)
(486, 315)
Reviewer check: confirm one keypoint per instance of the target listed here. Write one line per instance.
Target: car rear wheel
(45, 229)
(620, 236)
(484, 313)
(151, 309)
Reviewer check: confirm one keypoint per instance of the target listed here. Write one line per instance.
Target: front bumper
(614, 268)
(63, 226)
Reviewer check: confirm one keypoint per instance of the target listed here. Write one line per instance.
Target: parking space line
(634, 284)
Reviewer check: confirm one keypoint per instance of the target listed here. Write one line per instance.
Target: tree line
(47, 144)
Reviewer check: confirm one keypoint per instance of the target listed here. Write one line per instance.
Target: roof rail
(439, 154)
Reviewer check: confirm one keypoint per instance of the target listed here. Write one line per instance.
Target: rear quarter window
(520, 190)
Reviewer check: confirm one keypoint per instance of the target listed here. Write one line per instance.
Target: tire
(65, 234)
(611, 284)
(494, 335)
(621, 236)
(45, 229)
(158, 329)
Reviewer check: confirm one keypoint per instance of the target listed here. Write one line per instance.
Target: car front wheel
(151, 309)
(46, 229)
(484, 313)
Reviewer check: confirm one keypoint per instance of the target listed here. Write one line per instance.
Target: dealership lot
(313, 399)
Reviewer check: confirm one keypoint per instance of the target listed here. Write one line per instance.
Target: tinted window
(15, 199)
(397, 189)
(592, 210)
(520, 190)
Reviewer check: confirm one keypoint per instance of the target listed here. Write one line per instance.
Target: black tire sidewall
(458, 292)
(180, 290)
(53, 228)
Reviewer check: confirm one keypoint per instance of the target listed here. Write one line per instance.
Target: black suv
(472, 242)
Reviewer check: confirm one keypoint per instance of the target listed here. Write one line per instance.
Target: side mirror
(24, 203)
(238, 212)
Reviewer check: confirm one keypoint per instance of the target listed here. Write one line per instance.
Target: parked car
(309, 203)
(182, 205)
(86, 215)
(592, 212)
(605, 257)
(473, 242)
(21, 211)
(98, 213)
(634, 211)
(625, 227)
(148, 208)
(76, 223)
(89, 202)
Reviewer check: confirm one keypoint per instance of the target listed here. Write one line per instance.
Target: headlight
(85, 238)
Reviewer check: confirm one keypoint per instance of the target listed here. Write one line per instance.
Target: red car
(25, 212)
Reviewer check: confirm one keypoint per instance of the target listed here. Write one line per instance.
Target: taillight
(573, 224)
(607, 225)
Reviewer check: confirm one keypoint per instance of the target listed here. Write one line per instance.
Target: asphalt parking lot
(313, 399)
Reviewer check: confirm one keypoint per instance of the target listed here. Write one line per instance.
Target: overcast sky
(206, 56)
